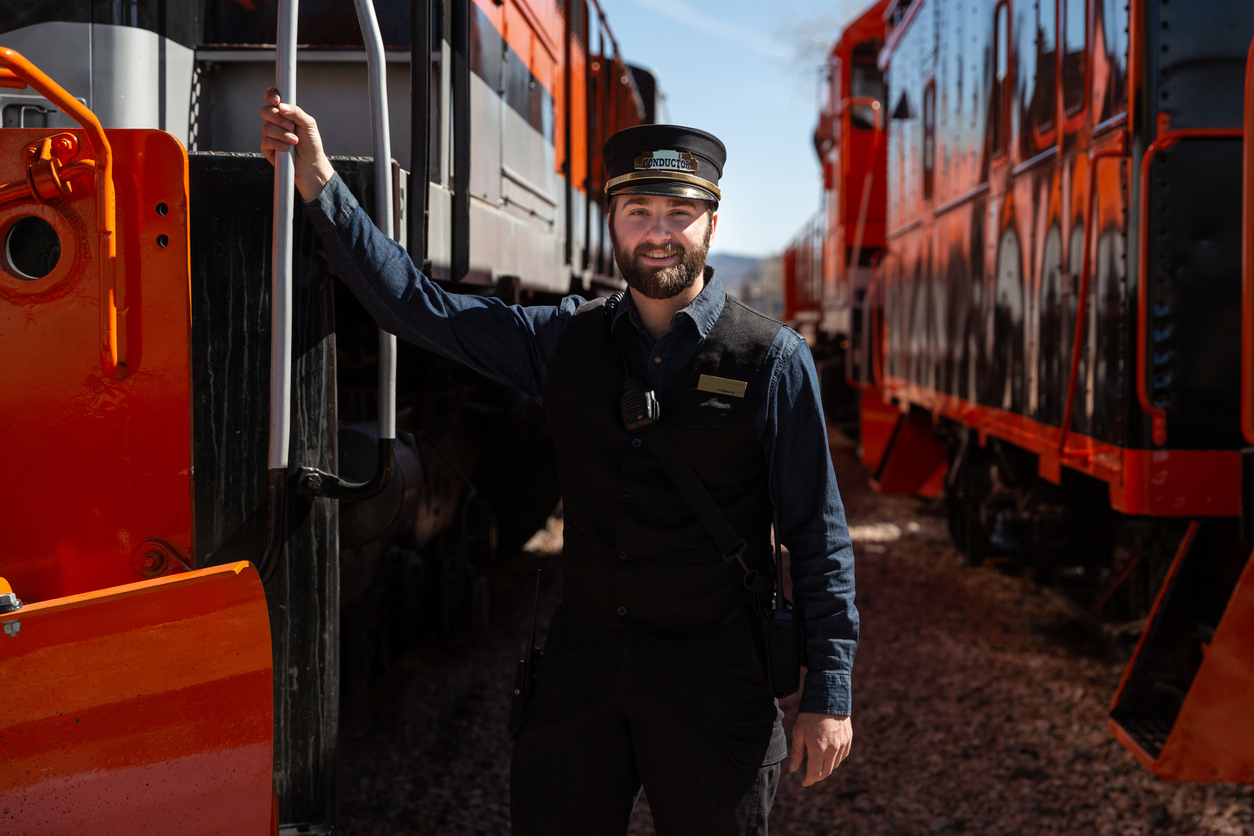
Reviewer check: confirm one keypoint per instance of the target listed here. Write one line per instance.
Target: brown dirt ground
(979, 707)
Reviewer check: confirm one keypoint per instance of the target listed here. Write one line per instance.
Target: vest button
(624, 496)
(622, 554)
(622, 610)
(657, 359)
(635, 442)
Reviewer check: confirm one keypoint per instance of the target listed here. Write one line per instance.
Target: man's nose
(659, 231)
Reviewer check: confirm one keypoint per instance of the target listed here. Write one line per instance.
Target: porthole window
(32, 248)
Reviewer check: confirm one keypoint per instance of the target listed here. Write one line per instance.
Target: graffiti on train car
(1056, 332)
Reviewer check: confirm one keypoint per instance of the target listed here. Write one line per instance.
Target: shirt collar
(703, 311)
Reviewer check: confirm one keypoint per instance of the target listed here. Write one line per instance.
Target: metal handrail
(281, 304)
(1118, 152)
(867, 178)
(1165, 139)
(16, 68)
(1247, 259)
(313, 481)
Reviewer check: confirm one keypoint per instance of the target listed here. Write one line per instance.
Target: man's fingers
(814, 764)
(798, 751)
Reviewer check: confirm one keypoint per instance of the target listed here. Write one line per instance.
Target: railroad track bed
(980, 707)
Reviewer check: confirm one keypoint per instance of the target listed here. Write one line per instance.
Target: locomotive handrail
(859, 230)
(280, 304)
(15, 68)
(1247, 259)
(1118, 152)
(1165, 139)
(311, 480)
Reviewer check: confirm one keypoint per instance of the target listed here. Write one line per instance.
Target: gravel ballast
(979, 707)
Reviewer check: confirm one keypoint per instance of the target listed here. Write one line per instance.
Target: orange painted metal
(1090, 220)
(95, 468)
(1211, 738)
(141, 709)
(912, 459)
(112, 300)
(1165, 139)
(878, 418)
(1247, 258)
(1174, 483)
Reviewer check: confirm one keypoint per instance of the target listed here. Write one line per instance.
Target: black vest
(634, 551)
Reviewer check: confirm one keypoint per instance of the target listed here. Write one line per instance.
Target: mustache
(667, 249)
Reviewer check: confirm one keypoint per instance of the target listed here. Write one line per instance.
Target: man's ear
(713, 225)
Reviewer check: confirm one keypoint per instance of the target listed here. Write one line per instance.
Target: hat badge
(666, 161)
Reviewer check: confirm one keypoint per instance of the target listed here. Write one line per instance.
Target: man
(653, 670)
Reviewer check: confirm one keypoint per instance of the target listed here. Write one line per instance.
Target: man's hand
(825, 739)
(285, 127)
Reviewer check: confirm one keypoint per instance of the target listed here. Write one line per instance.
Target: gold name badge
(722, 386)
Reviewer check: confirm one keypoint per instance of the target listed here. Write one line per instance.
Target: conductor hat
(666, 160)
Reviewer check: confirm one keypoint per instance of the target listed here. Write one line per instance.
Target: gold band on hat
(662, 174)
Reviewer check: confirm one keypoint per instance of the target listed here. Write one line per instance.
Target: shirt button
(635, 442)
(657, 359)
(622, 554)
(622, 610)
(624, 496)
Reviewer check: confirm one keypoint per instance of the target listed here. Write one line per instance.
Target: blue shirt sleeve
(511, 344)
(811, 521)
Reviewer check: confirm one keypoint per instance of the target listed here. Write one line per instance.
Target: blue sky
(746, 71)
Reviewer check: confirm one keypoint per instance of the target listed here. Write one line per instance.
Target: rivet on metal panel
(12, 628)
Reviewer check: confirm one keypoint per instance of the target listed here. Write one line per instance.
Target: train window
(1046, 64)
(1001, 77)
(865, 79)
(32, 248)
(1110, 50)
(929, 138)
(1075, 54)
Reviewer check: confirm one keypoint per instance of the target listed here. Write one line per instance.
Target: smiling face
(660, 243)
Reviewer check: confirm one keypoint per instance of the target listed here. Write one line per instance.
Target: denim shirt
(513, 345)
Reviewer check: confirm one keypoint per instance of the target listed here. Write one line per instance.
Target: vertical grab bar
(312, 481)
(1082, 292)
(281, 305)
(1247, 259)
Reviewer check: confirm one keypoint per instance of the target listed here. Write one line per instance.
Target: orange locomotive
(154, 683)
(1059, 333)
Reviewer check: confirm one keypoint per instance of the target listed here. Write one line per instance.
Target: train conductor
(655, 668)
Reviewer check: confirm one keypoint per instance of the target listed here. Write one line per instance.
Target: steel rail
(1164, 140)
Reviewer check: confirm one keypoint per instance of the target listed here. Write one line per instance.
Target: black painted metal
(460, 44)
(1196, 79)
(230, 211)
(313, 481)
(418, 195)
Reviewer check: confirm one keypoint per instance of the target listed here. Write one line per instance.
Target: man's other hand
(822, 741)
(285, 126)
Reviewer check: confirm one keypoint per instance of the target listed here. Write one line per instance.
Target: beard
(661, 282)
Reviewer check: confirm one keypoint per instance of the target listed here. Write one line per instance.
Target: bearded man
(653, 671)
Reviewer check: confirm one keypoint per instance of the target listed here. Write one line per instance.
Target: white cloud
(682, 13)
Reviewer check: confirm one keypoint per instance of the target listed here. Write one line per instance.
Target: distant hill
(736, 271)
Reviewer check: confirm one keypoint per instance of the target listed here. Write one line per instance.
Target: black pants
(693, 721)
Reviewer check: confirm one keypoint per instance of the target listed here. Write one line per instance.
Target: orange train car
(1060, 329)
(158, 683)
